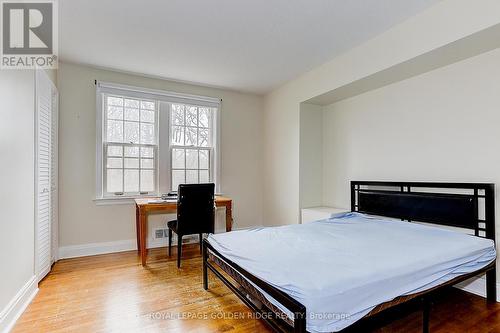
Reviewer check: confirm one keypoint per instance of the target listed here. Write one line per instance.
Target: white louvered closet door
(54, 193)
(46, 172)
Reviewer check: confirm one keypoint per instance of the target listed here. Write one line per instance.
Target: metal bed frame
(410, 201)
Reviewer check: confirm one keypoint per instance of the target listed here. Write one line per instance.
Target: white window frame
(163, 167)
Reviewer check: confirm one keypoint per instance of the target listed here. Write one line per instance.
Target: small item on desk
(169, 196)
(160, 200)
(156, 201)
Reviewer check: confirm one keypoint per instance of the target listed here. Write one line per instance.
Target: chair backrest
(195, 208)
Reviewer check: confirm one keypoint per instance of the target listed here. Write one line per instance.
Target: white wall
(432, 29)
(439, 126)
(82, 221)
(17, 194)
(311, 155)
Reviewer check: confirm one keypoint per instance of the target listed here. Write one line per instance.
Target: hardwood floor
(114, 293)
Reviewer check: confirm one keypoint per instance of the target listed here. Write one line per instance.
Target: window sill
(119, 201)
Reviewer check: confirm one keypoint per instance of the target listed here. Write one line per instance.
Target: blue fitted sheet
(342, 267)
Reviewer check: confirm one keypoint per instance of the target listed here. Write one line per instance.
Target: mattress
(342, 267)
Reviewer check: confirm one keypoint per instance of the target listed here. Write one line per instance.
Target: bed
(327, 275)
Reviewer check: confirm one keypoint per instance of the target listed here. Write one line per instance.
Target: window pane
(114, 180)
(204, 139)
(178, 158)
(131, 168)
(131, 163)
(148, 116)
(204, 159)
(147, 105)
(132, 114)
(114, 162)
(191, 136)
(147, 163)
(115, 112)
(115, 131)
(131, 151)
(177, 135)
(177, 178)
(204, 177)
(131, 181)
(115, 151)
(147, 134)
(191, 159)
(131, 132)
(132, 103)
(115, 101)
(204, 117)
(147, 180)
(147, 152)
(192, 116)
(192, 176)
(177, 114)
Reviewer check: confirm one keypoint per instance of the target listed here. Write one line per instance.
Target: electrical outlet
(160, 233)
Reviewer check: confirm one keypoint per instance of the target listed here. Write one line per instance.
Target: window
(150, 141)
(191, 144)
(130, 146)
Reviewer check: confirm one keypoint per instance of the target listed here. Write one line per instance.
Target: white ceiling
(246, 45)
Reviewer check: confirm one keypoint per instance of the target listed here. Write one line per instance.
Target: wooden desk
(143, 208)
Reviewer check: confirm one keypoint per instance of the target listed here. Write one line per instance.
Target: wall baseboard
(477, 286)
(92, 249)
(15, 308)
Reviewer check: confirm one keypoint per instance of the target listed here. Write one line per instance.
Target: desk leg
(143, 227)
(137, 228)
(229, 216)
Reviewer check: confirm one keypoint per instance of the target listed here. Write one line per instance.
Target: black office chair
(195, 214)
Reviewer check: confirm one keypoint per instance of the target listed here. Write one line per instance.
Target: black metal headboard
(464, 205)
